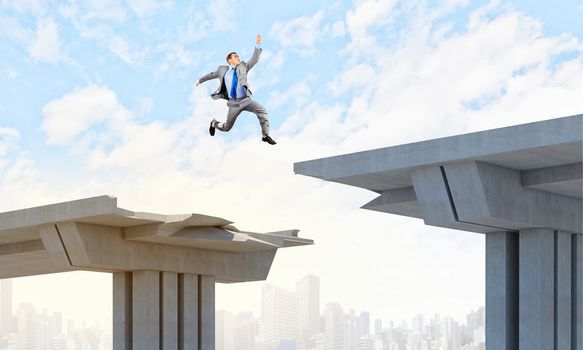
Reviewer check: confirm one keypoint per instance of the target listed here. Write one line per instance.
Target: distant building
(225, 324)
(364, 323)
(279, 316)
(369, 342)
(335, 328)
(246, 332)
(378, 326)
(28, 329)
(7, 324)
(452, 334)
(308, 293)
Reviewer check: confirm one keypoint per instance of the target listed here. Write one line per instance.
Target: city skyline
(31, 328)
(284, 323)
(35, 328)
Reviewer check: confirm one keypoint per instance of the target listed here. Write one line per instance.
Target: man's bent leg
(232, 115)
(261, 113)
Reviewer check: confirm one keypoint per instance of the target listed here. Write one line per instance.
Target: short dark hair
(230, 54)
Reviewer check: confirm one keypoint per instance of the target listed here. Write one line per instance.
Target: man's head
(233, 59)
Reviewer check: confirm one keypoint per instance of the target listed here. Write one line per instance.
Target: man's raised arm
(255, 58)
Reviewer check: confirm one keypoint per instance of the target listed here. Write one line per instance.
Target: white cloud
(43, 44)
(219, 16)
(46, 45)
(20, 182)
(11, 73)
(144, 106)
(96, 20)
(146, 8)
(177, 56)
(273, 61)
(121, 48)
(222, 14)
(462, 81)
(299, 94)
(13, 30)
(35, 6)
(360, 76)
(109, 10)
(7, 137)
(94, 14)
(299, 34)
(367, 14)
(68, 117)
(338, 29)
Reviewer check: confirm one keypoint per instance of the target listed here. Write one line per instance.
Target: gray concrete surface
(169, 310)
(164, 266)
(520, 185)
(563, 294)
(502, 290)
(537, 305)
(577, 291)
(146, 310)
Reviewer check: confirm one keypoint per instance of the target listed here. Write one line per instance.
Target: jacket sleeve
(254, 59)
(210, 76)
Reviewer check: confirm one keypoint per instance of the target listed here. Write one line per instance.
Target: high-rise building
(279, 316)
(352, 330)
(378, 326)
(6, 315)
(416, 336)
(369, 342)
(308, 293)
(335, 328)
(56, 324)
(364, 323)
(476, 328)
(476, 319)
(418, 324)
(225, 324)
(452, 334)
(246, 332)
(28, 328)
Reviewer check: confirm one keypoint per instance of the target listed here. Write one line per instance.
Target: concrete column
(122, 311)
(169, 310)
(577, 291)
(146, 310)
(537, 289)
(188, 311)
(163, 311)
(502, 291)
(563, 280)
(207, 312)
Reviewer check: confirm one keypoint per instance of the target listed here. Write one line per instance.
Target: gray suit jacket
(242, 70)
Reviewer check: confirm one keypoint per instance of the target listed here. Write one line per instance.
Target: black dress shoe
(268, 139)
(212, 128)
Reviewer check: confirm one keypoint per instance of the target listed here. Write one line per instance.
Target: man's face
(234, 60)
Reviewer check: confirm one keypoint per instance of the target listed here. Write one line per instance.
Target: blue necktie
(234, 85)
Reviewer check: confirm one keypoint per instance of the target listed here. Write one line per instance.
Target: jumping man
(234, 88)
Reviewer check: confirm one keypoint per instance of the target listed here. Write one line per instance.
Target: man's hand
(258, 39)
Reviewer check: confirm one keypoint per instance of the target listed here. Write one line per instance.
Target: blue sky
(98, 97)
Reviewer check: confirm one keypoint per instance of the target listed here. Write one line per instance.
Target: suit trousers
(246, 104)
